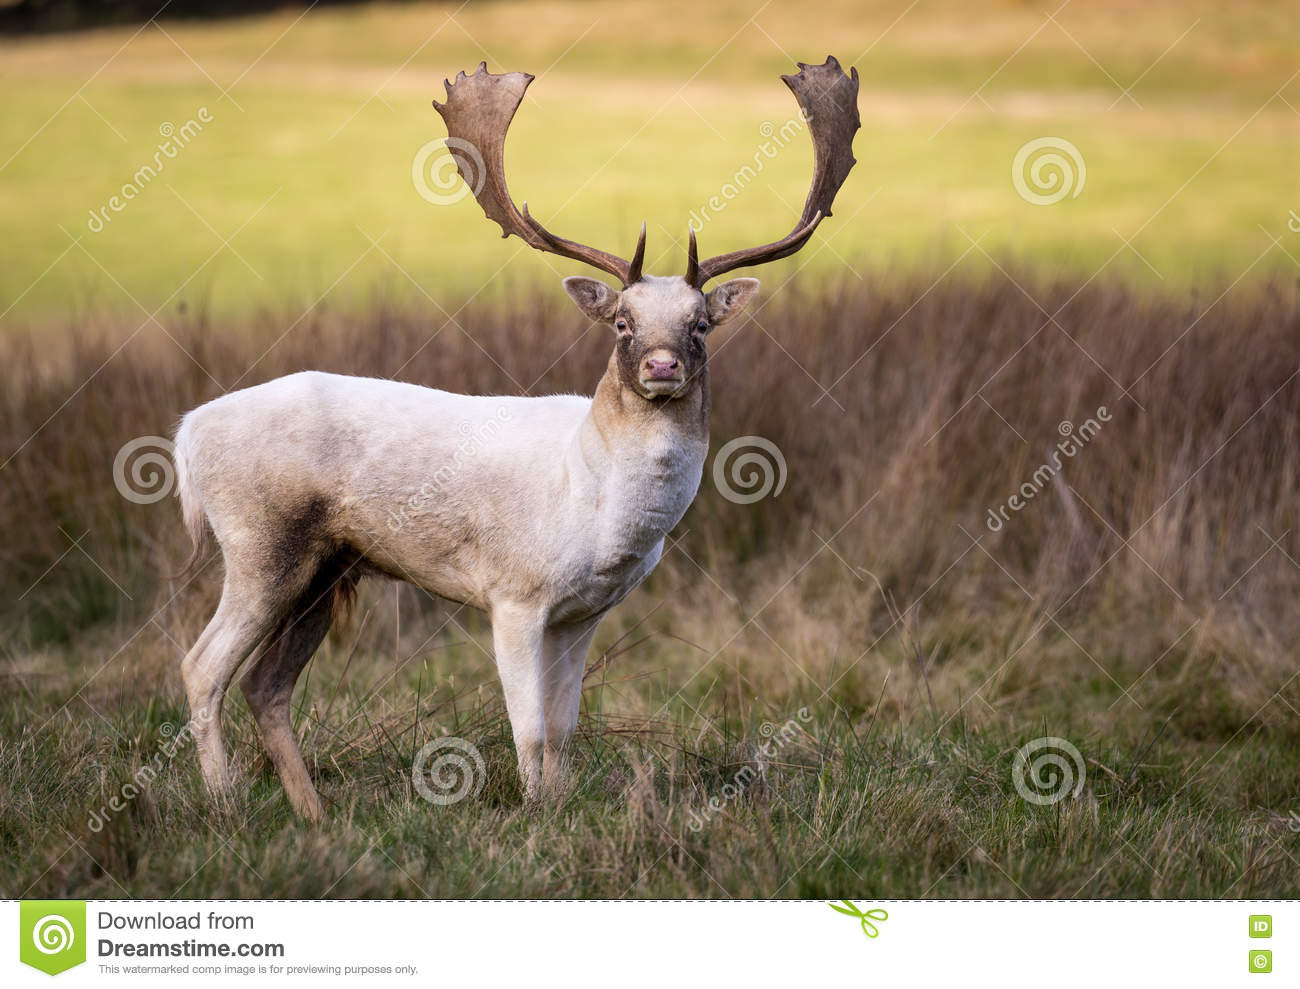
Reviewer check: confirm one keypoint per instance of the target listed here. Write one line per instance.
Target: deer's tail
(196, 522)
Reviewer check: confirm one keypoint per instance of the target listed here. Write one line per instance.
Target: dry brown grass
(1147, 594)
(940, 404)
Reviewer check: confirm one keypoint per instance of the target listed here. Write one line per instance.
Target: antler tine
(829, 101)
(692, 258)
(638, 258)
(478, 112)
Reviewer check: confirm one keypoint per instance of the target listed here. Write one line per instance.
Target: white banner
(636, 943)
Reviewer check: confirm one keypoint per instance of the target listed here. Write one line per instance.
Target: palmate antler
(479, 110)
(829, 101)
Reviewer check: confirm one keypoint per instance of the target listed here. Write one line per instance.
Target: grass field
(1141, 607)
(1183, 114)
(819, 694)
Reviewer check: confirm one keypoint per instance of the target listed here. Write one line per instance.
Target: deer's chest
(634, 512)
(644, 500)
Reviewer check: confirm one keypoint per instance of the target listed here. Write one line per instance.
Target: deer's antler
(829, 101)
(477, 113)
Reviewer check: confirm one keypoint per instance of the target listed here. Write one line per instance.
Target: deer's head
(660, 323)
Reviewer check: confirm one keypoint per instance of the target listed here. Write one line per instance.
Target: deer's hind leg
(268, 685)
(249, 611)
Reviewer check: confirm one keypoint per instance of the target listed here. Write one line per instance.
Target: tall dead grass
(1159, 570)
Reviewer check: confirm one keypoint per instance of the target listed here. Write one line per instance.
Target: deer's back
(427, 485)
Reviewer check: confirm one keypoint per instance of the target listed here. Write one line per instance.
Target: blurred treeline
(46, 16)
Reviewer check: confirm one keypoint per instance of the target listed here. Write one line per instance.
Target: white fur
(544, 512)
(554, 512)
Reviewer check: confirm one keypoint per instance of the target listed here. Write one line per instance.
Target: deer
(551, 516)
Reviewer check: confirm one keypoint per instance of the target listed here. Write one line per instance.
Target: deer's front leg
(564, 655)
(517, 636)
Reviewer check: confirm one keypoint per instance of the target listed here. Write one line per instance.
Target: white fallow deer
(555, 512)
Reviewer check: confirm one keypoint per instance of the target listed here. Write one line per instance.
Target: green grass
(638, 113)
(849, 804)
(1145, 613)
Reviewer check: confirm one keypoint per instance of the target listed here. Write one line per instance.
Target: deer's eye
(702, 325)
(620, 324)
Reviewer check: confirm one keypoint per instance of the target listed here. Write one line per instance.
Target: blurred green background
(299, 191)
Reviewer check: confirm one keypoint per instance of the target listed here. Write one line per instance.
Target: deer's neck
(646, 457)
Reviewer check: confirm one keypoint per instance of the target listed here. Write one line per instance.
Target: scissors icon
(868, 928)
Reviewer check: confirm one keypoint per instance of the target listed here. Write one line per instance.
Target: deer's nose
(661, 366)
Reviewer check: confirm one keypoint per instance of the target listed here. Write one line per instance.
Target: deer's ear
(596, 299)
(729, 299)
